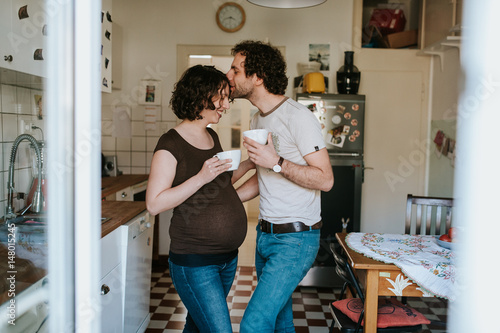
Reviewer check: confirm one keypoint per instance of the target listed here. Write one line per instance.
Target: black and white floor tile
(310, 305)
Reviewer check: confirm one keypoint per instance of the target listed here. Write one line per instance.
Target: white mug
(259, 135)
(235, 155)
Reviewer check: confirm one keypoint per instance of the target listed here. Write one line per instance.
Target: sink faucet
(37, 202)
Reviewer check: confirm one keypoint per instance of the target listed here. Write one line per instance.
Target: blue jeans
(281, 262)
(203, 290)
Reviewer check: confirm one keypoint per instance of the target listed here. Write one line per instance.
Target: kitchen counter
(119, 212)
(111, 185)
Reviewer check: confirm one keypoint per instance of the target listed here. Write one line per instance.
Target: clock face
(230, 17)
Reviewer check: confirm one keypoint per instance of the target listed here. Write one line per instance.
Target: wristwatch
(277, 167)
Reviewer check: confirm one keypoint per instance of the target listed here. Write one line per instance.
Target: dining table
(408, 266)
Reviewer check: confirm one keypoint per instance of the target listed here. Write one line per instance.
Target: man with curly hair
(292, 168)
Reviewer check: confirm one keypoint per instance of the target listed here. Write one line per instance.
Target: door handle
(105, 289)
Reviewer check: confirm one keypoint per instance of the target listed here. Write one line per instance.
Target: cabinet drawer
(111, 247)
(111, 301)
(125, 195)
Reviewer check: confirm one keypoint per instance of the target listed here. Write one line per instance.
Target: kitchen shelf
(439, 48)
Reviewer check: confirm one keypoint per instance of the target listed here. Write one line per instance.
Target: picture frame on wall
(150, 92)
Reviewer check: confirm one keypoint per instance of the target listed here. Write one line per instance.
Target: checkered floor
(311, 305)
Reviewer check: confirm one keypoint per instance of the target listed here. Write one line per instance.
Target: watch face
(276, 168)
(230, 17)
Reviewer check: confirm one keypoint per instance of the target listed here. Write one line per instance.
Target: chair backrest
(428, 215)
(345, 272)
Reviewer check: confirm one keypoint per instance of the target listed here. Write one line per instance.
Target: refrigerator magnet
(336, 119)
(354, 122)
(347, 115)
(355, 107)
(22, 13)
(338, 141)
(346, 129)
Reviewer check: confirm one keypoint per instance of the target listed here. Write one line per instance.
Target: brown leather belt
(284, 228)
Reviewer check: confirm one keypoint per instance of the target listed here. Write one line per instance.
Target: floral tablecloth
(419, 257)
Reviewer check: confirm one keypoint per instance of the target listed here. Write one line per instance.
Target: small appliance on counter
(110, 166)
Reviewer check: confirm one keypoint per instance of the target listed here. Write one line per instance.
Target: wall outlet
(25, 127)
(21, 126)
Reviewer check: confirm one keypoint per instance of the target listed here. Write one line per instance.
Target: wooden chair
(428, 215)
(342, 321)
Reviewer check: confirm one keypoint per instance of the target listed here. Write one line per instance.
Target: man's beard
(241, 93)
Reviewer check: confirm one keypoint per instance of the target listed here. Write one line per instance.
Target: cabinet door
(111, 301)
(5, 28)
(26, 37)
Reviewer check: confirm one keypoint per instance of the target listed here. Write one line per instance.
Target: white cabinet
(23, 36)
(111, 283)
(111, 301)
(106, 46)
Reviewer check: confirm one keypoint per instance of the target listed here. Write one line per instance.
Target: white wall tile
(138, 113)
(23, 156)
(156, 132)
(139, 144)
(123, 144)
(107, 127)
(138, 170)
(123, 159)
(139, 159)
(151, 144)
(9, 127)
(108, 143)
(6, 148)
(168, 115)
(23, 101)
(126, 170)
(8, 99)
(138, 128)
(107, 112)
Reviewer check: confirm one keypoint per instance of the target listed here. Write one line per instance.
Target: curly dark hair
(266, 61)
(195, 91)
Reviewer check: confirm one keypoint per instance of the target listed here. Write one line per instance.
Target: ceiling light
(287, 3)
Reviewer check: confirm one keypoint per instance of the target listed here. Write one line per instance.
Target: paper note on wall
(121, 122)
(150, 113)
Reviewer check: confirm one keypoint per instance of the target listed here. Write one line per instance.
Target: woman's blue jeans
(203, 290)
(281, 262)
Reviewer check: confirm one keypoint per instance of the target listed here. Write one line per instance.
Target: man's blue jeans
(203, 290)
(281, 262)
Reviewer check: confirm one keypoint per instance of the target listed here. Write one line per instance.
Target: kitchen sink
(28, 220)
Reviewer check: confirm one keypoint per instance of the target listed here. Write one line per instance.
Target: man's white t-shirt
(296, 133)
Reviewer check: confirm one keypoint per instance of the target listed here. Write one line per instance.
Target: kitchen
(149, 50)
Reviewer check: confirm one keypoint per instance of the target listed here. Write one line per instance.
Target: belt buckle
(263, 225)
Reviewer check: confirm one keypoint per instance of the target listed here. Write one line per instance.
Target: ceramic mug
(235, 155)
(259, 135)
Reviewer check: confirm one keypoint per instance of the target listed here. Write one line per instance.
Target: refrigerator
(342, 119)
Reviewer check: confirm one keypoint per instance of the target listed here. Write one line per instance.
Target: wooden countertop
(119, 212)
(110, 185)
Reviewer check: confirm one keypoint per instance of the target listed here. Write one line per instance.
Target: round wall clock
(230, 17)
